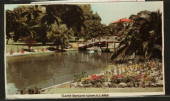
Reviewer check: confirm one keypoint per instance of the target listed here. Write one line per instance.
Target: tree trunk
(43, 42)
(7, 40)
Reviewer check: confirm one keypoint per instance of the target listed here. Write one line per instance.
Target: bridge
(98, 44)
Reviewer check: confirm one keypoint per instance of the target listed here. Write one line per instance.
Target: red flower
(119, 76)
(139, 76)
(95, 77)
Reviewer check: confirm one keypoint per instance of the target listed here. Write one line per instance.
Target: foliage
(92, 23)
(60, 27)
(52, 23)
(21, 22)
(142, 38)
(78, 77)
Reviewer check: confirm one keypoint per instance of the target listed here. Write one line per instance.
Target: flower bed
(146, 74)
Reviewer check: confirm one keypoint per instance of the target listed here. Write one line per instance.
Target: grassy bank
(19, 47)
(16, 49)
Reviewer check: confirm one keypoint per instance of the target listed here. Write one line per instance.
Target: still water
(50, 69)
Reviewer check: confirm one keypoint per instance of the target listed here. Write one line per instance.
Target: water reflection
(50, 69)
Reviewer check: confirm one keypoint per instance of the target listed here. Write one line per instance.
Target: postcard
(84, 50)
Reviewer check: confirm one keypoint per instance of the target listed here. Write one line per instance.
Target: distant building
(123, 20)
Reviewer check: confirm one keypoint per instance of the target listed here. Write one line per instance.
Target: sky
(110, 12)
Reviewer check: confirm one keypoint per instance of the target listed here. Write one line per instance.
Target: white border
(163, 46)
(5, 52)
(58, 96)
(87, 1)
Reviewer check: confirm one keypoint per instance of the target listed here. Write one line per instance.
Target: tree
(10, 21)
(142, 38)
(92, 24)
(21, 21)
(71, 15)
(62, 21)
(60, 35)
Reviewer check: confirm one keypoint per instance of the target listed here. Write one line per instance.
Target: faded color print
(84, 50)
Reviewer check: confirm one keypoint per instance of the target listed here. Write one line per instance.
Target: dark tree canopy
(45, 23)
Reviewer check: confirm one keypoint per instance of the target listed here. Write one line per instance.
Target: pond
(45, 70)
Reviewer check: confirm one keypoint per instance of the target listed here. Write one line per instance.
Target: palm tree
(142, 38)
